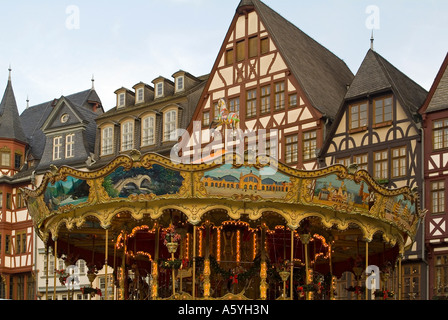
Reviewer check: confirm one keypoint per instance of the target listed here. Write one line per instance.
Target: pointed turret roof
(10, 124)
(376, 75)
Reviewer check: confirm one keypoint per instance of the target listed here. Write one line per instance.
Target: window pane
(240, 51)
(253, 47)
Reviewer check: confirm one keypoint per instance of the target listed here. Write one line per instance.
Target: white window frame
(180, 80)
(57, 148)
(70, 145)
(148, 131)
(127, 135)
(121, 100)
(140, 95)
(170, 125)
(107, 141)
(159, 87)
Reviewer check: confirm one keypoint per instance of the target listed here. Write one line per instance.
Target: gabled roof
(376, 75)
(321, 74)
(33, 118)
(438, 95)
(10, 124)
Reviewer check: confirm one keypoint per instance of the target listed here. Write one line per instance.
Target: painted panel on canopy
(71, 191)
(157, 180)
(344, 194)
(228, 181)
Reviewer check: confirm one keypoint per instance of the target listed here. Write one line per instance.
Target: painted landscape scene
(158, 181)
(73, 191)
(227, 181)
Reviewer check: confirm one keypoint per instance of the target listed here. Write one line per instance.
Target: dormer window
(159, 90)
(121, 100)
(180, 84)
(140, 95)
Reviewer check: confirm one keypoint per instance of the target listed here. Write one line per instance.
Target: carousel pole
(207, 271)
(194, 263)
(155, 271)
(367, 266)
(331, 269)
(115, 269)
(105, 264)
(305, 238)
(399, 276)
(292, 266)
(55, 255)
(263, 268)
(46, 272)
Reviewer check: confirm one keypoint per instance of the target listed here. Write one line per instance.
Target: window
(234, 105)
(170, 125)
(381, 168)
(127, 136)
(107, 136)
(264, 44)
(345, 162)
(253, 47)
(383, 110)
(266, 99)
(293, 100)
(441, 275)
(8, 201)
(19, 200)
(309, 145)
(179, 83)
(438, 197)
(251, 103)
(440, 134)
(291, 150)
(24, 242)
(148, 131)
(216, 111)
(57, 148)
(121, 100)
(399, 162)
(229, 56)
(159, 90)
(411, 282)
(362, 161)
(7, 244)
(279, 101)
(140, 95)
(206, 119)
(5, 158)
(18, 243)
(17, 160)
(358, 115)
(240, 52)
(70, 146)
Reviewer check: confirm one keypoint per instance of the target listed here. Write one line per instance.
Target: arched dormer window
(107, 140)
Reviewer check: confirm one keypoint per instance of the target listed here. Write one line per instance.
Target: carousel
(225, 230)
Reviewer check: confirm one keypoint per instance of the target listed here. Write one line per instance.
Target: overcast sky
(54, 47)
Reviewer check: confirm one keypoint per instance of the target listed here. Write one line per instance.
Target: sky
(55, 47)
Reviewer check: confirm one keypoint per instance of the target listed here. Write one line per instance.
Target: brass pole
(115, 269)
(194, 263)
(367, 267)
(331, 270)
(399, 278)
(55, 255)
(105, 263)
(46, 273)
(292, 266)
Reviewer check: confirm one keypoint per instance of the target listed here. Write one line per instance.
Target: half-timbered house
(274, 76)
(377, 129)
(435, 137)
(16, 227)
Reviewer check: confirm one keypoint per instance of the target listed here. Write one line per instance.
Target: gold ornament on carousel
(171, 240)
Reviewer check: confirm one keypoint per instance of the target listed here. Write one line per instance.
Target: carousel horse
(225, 118)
